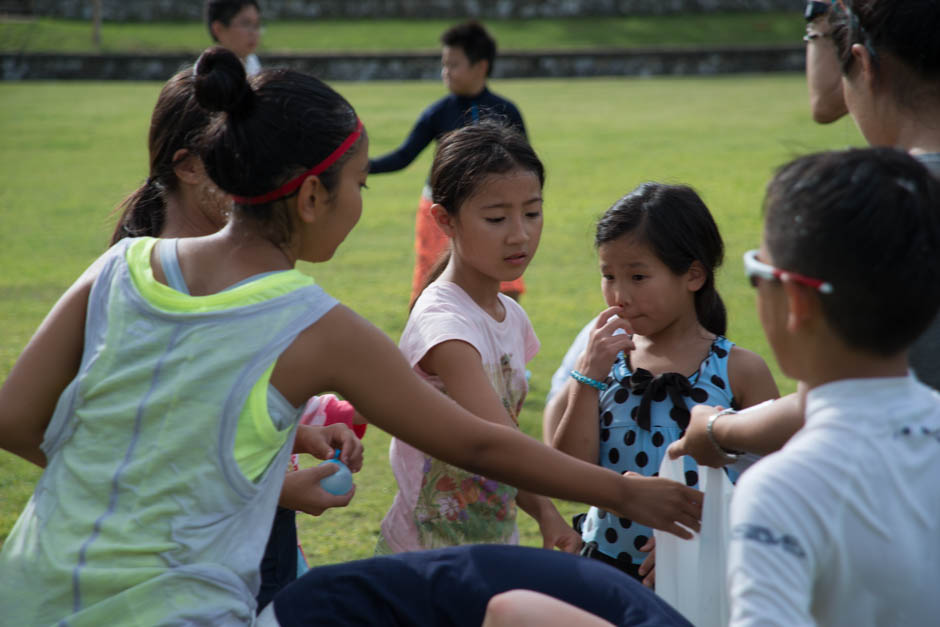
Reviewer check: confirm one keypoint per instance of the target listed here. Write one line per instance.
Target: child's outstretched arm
(577, 433)
(460, 368)
(367, 368)
(420, 136)
(761, 430)
(43, 370)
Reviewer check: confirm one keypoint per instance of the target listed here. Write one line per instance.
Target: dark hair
(466, 157)
(677, 226)
(866, 221)
(475, 42)
(176, 124)
(271, 129)
(224, 10)
(901, 37)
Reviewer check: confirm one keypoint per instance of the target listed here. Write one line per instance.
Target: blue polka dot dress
(640, 415)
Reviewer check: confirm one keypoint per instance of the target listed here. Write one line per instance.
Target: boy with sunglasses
(842, 525)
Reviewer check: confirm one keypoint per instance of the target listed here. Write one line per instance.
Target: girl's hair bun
(221, 83)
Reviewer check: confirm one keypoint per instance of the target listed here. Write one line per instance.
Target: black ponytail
(175, 125)
(143, 213)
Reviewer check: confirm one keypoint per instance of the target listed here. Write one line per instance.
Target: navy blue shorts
(279, 564)
(452, 587)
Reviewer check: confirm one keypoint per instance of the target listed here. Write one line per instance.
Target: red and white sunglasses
(755, 269)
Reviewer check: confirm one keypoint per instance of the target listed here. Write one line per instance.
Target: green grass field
(48, 35)
(70, 151)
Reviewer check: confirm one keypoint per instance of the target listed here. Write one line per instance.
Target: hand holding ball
(340, 482)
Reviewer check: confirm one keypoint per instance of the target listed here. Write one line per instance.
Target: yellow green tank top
(143, 515)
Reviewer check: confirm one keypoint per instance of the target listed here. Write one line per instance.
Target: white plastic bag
(690, 574)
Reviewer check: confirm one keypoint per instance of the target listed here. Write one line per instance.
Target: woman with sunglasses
(890, 61)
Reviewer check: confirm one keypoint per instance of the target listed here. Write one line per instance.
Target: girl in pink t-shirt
(472, 343)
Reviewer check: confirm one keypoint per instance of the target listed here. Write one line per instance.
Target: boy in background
(467, 59)
(842, 525)
(236, 25)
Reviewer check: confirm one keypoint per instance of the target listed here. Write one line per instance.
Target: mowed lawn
(70, 151)
(330, 35)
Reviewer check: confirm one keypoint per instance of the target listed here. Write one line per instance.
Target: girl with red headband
(178, 199)
(164, 420)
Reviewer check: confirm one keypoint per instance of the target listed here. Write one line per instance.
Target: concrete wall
(146, 10)
(411, 66)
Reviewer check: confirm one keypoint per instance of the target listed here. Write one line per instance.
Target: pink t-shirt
(438, 504)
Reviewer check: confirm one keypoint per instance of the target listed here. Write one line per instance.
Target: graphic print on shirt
(458, 507)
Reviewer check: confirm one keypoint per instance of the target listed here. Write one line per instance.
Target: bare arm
(751, 384)
(457, 436)
(760, 430)
(42, 372)
(527, 608)
(562, 383)
(554, 410)
(577, 433)
(764, 430)
(460, 369)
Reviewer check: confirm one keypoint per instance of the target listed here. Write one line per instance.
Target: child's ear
(215, 27)
(696, 276)
(443, 220)
(863, 58)
(313, 200)
(188, 167)
(802, 306)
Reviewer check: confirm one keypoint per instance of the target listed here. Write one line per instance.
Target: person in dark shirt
(466, 61)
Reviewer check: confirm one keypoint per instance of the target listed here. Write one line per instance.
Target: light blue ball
(340, 482)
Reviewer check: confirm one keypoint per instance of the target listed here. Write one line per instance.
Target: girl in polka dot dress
(657, 350)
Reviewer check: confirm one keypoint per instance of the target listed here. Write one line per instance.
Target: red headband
(291, 185)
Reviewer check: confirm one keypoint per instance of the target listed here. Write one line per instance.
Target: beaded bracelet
(594, 383)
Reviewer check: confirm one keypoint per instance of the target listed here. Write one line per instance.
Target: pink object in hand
(326, 409)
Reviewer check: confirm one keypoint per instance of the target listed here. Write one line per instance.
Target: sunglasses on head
(814, 9)
(756, 269)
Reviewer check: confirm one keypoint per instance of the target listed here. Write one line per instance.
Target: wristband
(594, 383)
(729, 456)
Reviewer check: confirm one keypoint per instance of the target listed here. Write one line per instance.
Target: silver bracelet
(729, 456)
